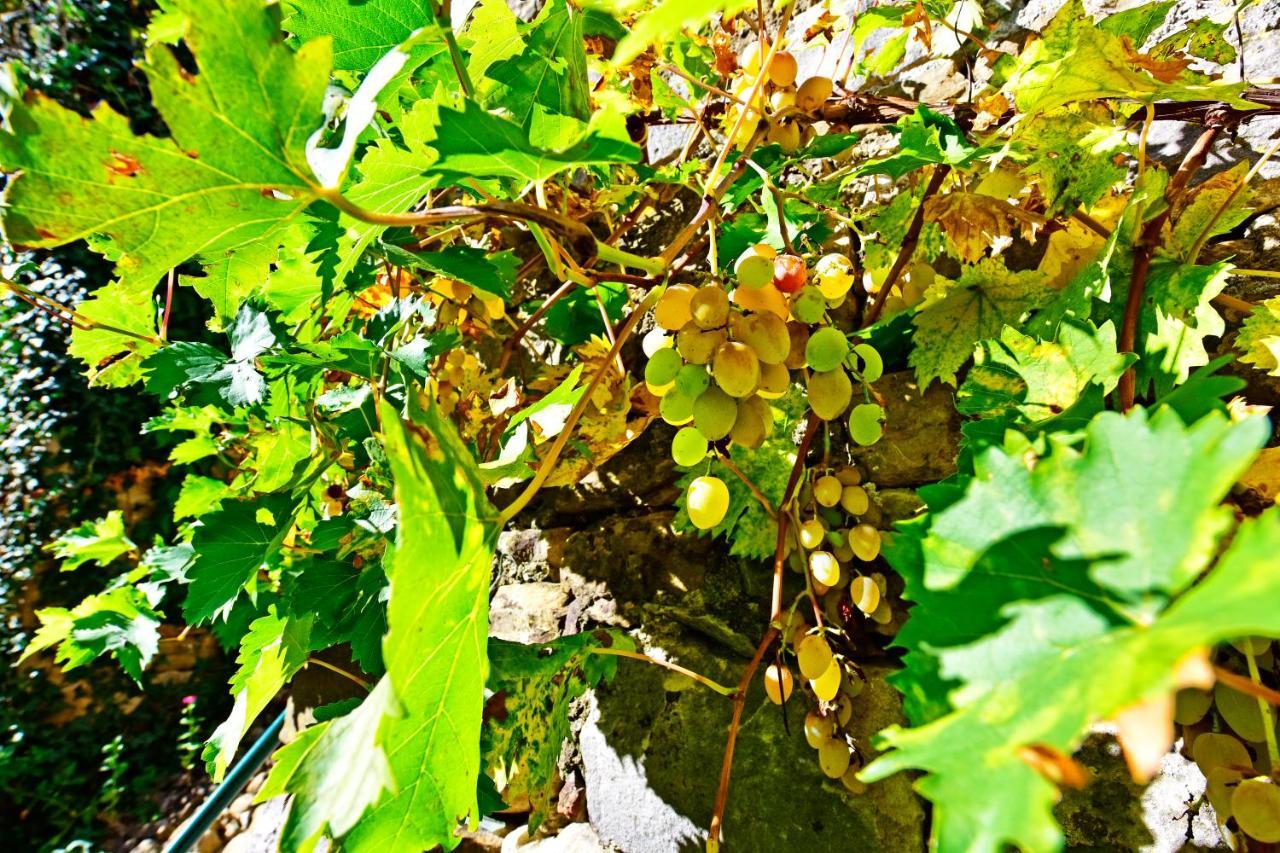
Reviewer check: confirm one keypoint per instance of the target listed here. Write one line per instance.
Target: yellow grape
(710, 306)
(782, 99)
(760, 299)
(812, 533)
(714, 413)
(735, 369)
(707, 502)
(783, 68)
(849, 476)
(834, 274)
(883, 614)
(752, 426)
(844, 708)
(778, 683)
(864, 539)
(672, 311)
(813, 655)
(854, 500)
(785, 134)
(813, 93)
(829, 393)
(775, 379)
(827, 489)
(818, 728)
(654, 340)
(852, 783)
(767, 336)
(750, 59)
(827, 685)
(825, 568)
(843, 552)
(865, 594)
(696, 345)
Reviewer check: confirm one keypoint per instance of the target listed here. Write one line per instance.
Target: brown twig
(1145, 248)
(1244, 685)
(752, 487)
(909, 242)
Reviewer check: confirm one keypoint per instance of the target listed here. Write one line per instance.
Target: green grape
(710, 306)
(735, 369)
(1190, 706)
(813, 655)
(809, 306)
(672, 311)
(689, 447)
(863, 538)
(834, 274)
(866, 423)
(827, 489)
(663, 367)
(826, 687)
(692, 380)
(1256, 807)
(753, 270)
(767, 336)
(707, 502)
(865, 594)
(697, 345)
(818, 729)
(778, 683)
(872, 363)
(812, 533)
(830, 393)
(825, 568)
(676, 408)
(826, 349)
(775, 379)
(714, 413)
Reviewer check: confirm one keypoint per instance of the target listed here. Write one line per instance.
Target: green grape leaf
(983, 300)
(198, 495)
(1071, 154)
(925, 138)
(1137, 23)
(121, 621)
(1037, 380)
(1259, 340)
(1061, 660)
(210, 376)
(492, 272)
(664, 22)
(363, 31)
(231, 545)
(115, 360)
(99, 541)
(1212, 207)
(1177, 315)
(273, 650)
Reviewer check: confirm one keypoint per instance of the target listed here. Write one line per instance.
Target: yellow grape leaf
(1259, 338)
(1197, 211)
(974, 223)
(1263, 476)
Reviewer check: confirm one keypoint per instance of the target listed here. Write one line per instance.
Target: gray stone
(527, 612)
(921, 434)
(574, 838)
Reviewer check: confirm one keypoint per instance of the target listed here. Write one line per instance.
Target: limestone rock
(527, 612)
(921, 434)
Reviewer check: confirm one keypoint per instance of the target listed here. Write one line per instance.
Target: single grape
(813, 93)
(826, 349)
(789, 273)
(753, 270)
(735, 369)
(813, 655)
(866, 423)
(864, 539)
(710, 306)
(834, 274)
(809, 306)
(883, 614)
(692, 380)
(750, 59)
(827, 685)
(849, 476)
(762, 299)
(782, 99)
(872, 365)
(829, 393)
(697, 345)
(753, 423)
(1256, 807)
(765, 250)
(854, 500)
(714, 413)
(775, 379)
(812, 533)
(852, 783)
(818, 728)
(826, 490)
(767, 336)
(783, 68)
(844, 710)
(707, 501)
(672, 311)
(663, 366)
(864, 594)
(688, 447)
(843, 552)
(786, 135)
(654, 340)
(778, 683)
(824, 568)
(676, 408)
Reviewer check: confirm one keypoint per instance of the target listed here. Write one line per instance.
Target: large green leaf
(362, 30)
(231, 545)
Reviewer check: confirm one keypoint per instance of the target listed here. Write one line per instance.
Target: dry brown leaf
(975, 223)
(1058, 768)
(1164, 70)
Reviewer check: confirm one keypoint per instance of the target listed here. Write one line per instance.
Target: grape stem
(70, 315)
(755, 491)
(339, 670)
(1238, 682)
(666, 664)
(909, 242)
(1268, 719)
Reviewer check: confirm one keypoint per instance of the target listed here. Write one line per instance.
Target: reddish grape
(789, 273)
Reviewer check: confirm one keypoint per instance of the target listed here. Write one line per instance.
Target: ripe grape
(710, 306)
(799, 334)
(689, 447)
(826, 349)
(864, 594)
(818, 729)
(834, 274)
(852, 783)
(692, 380)
(813, 93)
(813, 655)
(753, 423)
(826, 490)
(809, 305)
(883, 614)
(829, 393)
(714, 413)
(778, 683)
(1256, 807)
(697, 345)
(735, 369)
(782, 99)
(789, 273)
(753, 270)
(672, 311)
(849, 476)
(767, 335)
(827, 685)
(854, 500)
(844, 708)
(872, 365)
(707, 502)
(782, 69)
(864, 539)
(812, 533)
(762, 299)
(676, 408)
(786, 135)
(663, 366)
(775, 379)
(866, 423)
(751, 58)
(824, 568)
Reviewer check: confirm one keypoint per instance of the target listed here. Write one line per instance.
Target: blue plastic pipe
(231, 786)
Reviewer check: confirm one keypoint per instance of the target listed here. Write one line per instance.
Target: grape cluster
(779, 104)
